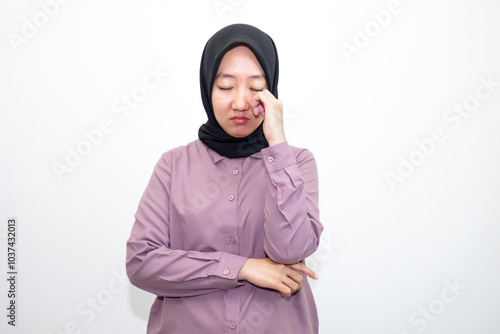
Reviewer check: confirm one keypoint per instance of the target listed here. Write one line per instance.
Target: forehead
(240, 60)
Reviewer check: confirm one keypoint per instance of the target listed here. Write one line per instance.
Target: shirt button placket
(232, 306)
(235, 172)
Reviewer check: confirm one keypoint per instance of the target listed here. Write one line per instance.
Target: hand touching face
(240, 98)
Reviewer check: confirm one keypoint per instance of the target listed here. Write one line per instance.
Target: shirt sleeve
(291, 214)
(151, 264)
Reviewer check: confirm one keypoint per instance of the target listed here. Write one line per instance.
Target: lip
(239, 120)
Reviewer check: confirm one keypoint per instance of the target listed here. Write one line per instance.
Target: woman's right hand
(265, 273)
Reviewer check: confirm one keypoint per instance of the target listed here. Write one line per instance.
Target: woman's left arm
(291, 214)
(291, 222)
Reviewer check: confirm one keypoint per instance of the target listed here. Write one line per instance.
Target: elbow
(136, 274)
(132, 266)
(292, 251)
(285, 255)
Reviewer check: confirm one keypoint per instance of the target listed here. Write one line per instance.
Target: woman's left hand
(271, 109)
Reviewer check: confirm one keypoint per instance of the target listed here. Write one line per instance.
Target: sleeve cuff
(229, 266)
(278, 156)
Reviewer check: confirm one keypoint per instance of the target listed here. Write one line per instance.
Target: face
(238, 79)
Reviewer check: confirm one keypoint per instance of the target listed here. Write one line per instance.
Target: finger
(257, 106)
(255, 103)
(304, 269)
(264, 97)
(268, 102)
(258, 109)
(295, 275)
(292, 284)
(285, 290)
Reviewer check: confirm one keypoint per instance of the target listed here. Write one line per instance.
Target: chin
(239, 135)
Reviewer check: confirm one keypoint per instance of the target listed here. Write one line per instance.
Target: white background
(388, 254)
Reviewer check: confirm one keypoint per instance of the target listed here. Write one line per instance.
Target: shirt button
(226, 272)
(232, 325)
(270, 158)
(235, 172)
(232, 240)
(231, 197)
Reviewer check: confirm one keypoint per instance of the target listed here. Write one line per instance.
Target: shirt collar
(217, 157)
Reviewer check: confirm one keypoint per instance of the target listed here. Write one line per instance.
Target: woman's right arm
(153, 266)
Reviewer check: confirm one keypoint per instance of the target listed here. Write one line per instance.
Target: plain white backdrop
(399, 101)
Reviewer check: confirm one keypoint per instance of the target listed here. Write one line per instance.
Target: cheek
(219, 105)
(219, 99)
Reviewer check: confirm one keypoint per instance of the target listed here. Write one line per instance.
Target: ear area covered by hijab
(261, 44)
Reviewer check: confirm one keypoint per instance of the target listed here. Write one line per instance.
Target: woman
(225, 223)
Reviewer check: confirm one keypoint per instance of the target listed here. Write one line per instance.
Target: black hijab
(261, 44)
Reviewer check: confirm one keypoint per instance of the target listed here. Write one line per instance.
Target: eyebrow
(225, 75)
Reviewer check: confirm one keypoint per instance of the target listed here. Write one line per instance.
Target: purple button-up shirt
(202, 216)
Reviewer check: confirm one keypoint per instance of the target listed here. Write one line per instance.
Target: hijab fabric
(261, 44)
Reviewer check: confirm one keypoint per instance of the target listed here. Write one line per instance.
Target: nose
(241, 100)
